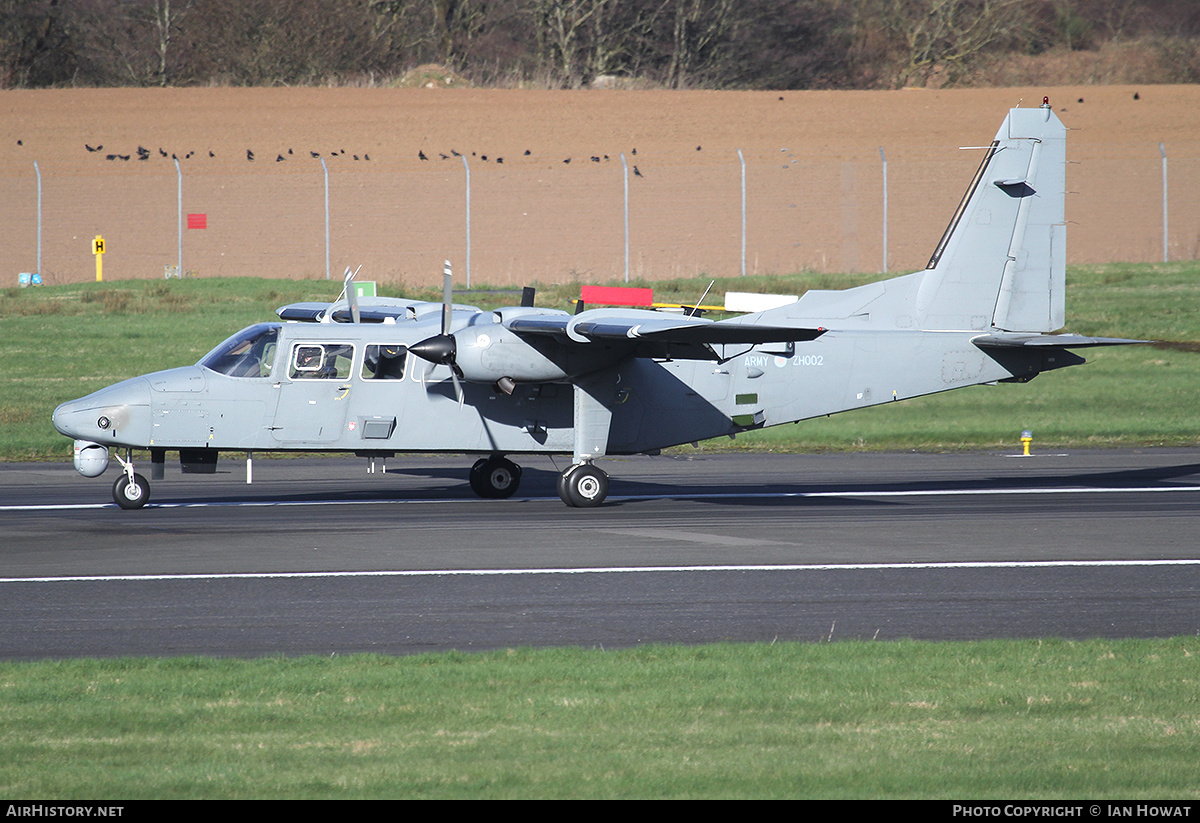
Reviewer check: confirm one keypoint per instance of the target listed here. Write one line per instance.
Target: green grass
(62, 342)
(1021, 719)
(1011, 719)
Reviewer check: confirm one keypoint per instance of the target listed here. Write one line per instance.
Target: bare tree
(700, 28)
(35, 43)
(946, 35)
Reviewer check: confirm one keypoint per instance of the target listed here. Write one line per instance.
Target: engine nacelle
(488, 353)
(91, 459)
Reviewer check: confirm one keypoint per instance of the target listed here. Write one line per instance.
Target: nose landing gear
(131, 491)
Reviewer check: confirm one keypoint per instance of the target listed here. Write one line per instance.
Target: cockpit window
(249, 353)
(329, 361)
(384, 362)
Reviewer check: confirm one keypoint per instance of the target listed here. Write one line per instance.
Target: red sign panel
(197, 221)
(617, 295)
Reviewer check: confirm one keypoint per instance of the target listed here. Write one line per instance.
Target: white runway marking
(801, 567)
(755, 495)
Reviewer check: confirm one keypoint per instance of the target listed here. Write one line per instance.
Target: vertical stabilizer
(1001, 263)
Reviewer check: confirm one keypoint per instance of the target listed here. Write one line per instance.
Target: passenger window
(323, 361)
(384, 362)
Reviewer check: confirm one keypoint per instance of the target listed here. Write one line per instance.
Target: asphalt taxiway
(319, 557)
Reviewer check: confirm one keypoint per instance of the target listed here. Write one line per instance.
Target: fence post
(179, 215)
(325, 169)
(467, 168)
(883, 159)
(625, 175)
(38, 172)
(1163, 151)
(742, 160)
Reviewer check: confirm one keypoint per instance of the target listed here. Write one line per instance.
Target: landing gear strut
(583, 486)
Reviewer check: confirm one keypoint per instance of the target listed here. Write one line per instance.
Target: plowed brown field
(813, 179)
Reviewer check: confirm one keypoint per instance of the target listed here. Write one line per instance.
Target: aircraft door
(314, 394)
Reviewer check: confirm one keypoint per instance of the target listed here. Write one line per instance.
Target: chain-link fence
(592, 219)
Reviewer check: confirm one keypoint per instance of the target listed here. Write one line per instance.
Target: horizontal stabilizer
(1061, 341)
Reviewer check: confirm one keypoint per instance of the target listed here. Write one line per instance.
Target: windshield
(249, 353)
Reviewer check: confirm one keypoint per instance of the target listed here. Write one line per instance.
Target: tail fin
(1002, 261)
(1001, 264)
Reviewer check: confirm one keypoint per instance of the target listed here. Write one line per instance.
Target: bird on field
(456, 154)
(249, 155)
(527, 152)
(210, 154)
(162, 151)
(568, 160)
(499, 159)
(444, 156)
(366, 157)
(420, 155)
(85, 145)
(636, 173)
(315, 153)
(279, 158)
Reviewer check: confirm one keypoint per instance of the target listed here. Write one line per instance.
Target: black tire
(131, 495)
(495, 478)
(583, 486)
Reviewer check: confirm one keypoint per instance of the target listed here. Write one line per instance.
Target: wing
(655, 334)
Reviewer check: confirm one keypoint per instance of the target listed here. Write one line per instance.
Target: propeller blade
(447, 297)
(351, 296)
(458, 389)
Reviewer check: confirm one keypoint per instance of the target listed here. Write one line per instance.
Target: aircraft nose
(114, 415)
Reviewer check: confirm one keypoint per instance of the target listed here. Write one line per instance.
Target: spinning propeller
(442, 349)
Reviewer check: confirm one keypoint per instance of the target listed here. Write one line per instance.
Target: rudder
(1001, 262)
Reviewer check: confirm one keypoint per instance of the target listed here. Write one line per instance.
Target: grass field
(1005, 719)
(62, 342)
(1022, 719)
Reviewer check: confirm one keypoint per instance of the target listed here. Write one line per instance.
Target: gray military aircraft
(378, 376)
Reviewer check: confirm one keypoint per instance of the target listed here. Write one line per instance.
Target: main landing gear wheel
(131, 494)
(495, 478)
(583, 486)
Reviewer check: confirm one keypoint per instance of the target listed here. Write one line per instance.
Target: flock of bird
(595, 158)
(144, 153)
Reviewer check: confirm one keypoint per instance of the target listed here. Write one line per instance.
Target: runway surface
(319, 557)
